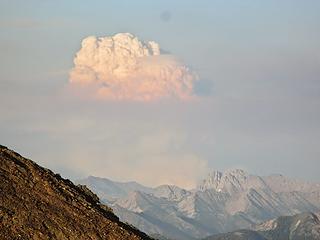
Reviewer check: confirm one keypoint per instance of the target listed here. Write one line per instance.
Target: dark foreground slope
(35, 203)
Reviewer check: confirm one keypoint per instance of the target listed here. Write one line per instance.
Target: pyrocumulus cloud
(122, 67)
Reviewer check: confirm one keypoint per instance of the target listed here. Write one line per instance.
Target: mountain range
(36, 203)
(222, 202)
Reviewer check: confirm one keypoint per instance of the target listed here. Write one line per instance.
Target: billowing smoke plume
(124, 68)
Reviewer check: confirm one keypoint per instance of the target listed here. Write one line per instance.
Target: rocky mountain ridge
(35, 203)
(298, 227)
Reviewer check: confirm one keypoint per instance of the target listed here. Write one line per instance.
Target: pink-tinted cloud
(122, 67)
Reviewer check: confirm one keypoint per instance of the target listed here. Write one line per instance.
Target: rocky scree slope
(35, 203)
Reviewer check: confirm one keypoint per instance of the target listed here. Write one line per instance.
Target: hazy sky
(258, 94)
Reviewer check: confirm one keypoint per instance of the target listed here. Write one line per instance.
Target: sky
(253, 102)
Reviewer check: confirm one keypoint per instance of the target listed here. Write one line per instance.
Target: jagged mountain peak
(236, 172)
(213, 180)
(231, 181)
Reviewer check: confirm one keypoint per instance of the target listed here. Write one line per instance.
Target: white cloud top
(122, 67)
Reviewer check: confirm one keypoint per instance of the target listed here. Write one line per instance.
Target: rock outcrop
(36, 203)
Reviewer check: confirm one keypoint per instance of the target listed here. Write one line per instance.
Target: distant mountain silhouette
(298, 227)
